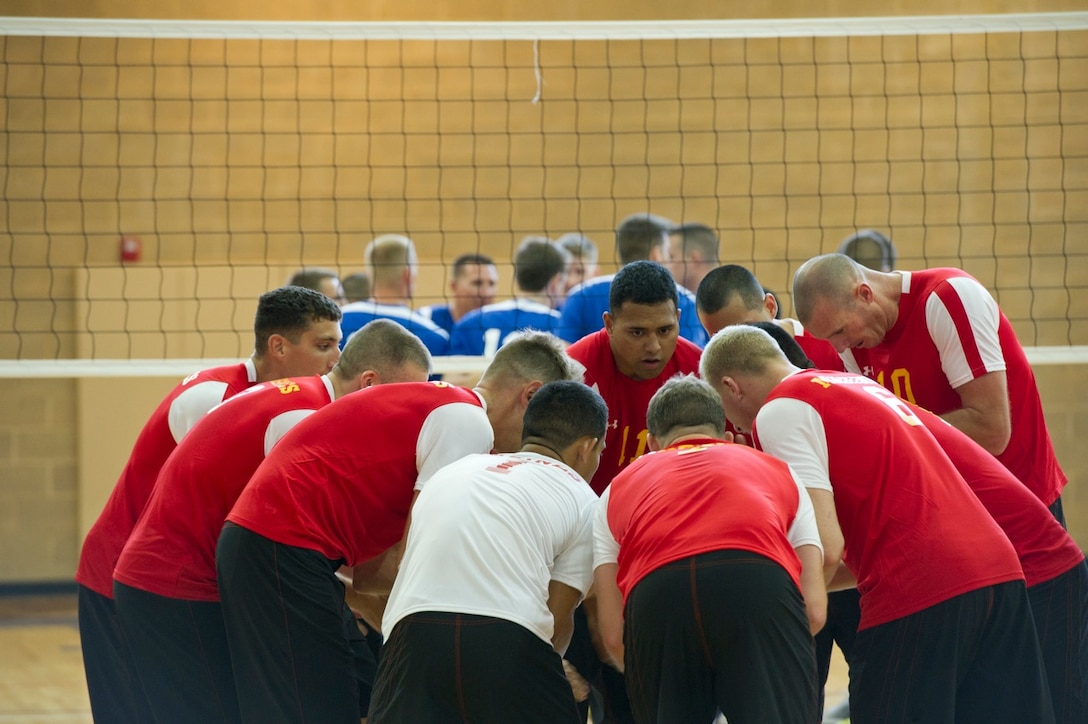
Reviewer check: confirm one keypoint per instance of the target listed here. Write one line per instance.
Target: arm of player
(827, 522)
(964, 323)
(609, 613)
(843, 580)
(793, 431)
(813, 587)
(985, 415)
(562, 600)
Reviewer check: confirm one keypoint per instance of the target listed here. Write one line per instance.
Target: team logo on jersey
(286, 386)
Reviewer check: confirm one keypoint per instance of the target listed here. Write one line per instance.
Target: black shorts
(972, 658)
(452, 667)
(727, 630)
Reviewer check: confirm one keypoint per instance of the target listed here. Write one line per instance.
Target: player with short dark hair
(473, 282)
(296, 332)
(539, 268)
(165, 583)
(639, 237)
(731, 294)
(498, 556)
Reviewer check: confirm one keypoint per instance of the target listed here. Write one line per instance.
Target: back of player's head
(461, 263)
(289, 311)
(388, 255)
(532, 357)
(720, 286)
(870, 248)
(641, 282)
(638, 234)
(356, 287)
(697, 237)
(311, 278)
(384, 346)
(787, 343)
(563, 412)
(684, 401)
(579, 246)
(536, 262)
(739, 349)
(831, 277)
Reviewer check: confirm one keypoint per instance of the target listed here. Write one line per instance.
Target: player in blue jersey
(539, 270)
(640, 237)
(391, 262)
(473, 284)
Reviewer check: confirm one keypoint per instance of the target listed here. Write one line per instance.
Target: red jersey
(627, 399)
(820, 351)
(950, 331)
(171, 552)
(914, 533)
(341, 481)
(168, 424)
(1044, 547)
(702, 496)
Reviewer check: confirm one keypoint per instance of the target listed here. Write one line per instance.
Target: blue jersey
(583, 312)
(357, 314)
(482, 331)
(440, 314)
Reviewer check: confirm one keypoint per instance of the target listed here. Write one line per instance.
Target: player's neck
(541, 449)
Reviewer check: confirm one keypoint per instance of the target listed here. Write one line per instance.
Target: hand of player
(578, 683)
(738, 439)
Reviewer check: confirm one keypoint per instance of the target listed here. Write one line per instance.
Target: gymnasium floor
(41, 668)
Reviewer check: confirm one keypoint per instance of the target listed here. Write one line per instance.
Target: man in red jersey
(938, 339)
(627, 362)
(164, 584)
(731, 294)
(1055, 571)
(337, 490)
(297, 332)
(709, 572)
(946, 631)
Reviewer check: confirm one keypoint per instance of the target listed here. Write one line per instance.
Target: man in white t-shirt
(498, 556)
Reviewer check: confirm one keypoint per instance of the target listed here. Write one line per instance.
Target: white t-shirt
(488, 533)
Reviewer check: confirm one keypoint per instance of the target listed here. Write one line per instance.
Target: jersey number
(897, 405)
(641, 437)
(900, 384)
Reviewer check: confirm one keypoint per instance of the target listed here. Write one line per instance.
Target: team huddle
(636, 526)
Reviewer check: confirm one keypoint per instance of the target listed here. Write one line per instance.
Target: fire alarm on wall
(131, 247)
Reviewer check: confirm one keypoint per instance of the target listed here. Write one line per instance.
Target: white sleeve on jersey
(605, 547)
(191, 405)
(983, 317)
(803, 532)
(280, 424)
(792, 431)
(449, 433)
(573, 565)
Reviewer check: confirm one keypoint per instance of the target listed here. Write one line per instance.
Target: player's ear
(369, 379)
(585, 448)
(731, 387)
(277, 345)
(608, 322)
(528, 391)
(771, 305)
(652, 442)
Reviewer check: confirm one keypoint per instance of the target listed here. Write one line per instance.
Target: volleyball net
(233, 154)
